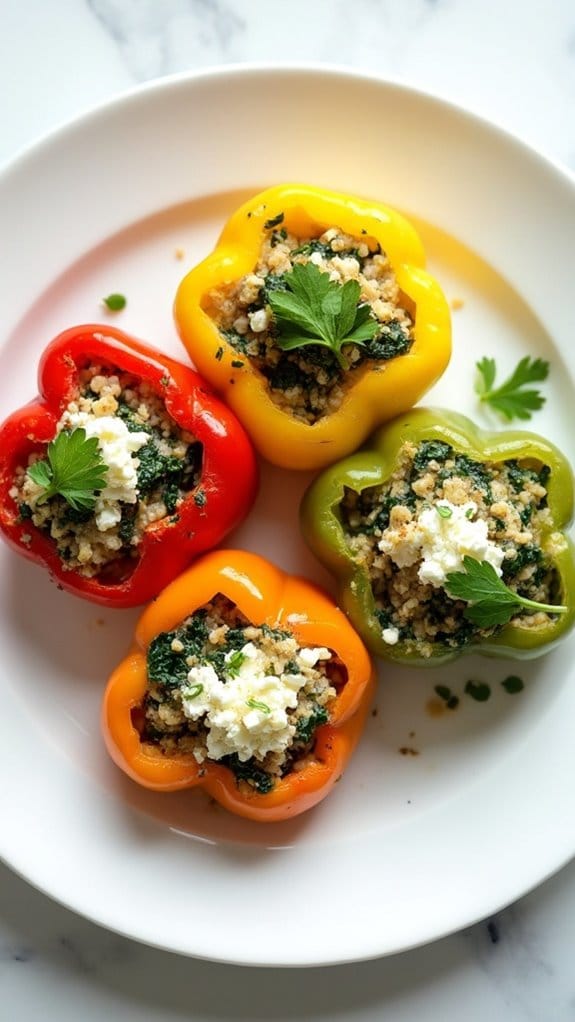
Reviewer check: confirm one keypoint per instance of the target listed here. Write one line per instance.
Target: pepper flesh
(265, 595)
(228, 481)
(378, 394)
(324, 533)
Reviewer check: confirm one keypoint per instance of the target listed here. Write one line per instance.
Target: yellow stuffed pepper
(316, 321)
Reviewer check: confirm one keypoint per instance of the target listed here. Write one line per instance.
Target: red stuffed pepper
(123, 470)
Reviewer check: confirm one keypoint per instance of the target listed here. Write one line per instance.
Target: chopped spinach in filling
(509, 496)
(165, 467)
(218, 638)
(309, 382)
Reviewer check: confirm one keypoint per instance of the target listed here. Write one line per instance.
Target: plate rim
(262, 68)
(188, 79)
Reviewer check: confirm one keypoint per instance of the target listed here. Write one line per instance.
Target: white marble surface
(510, 60)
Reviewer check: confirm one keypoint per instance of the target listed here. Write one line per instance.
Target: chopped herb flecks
(513, 684)
(114, 302)
(478, 690)
(275, 221)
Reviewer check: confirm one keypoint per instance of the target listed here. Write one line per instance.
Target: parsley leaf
(511, 399)
(318, 310)
(73, 468)
(490, 601)
(115, 302)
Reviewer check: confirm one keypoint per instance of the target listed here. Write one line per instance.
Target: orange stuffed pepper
(316, 321)
(242, 680)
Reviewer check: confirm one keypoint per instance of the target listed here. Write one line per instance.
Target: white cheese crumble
(259, 320)
(310, 657)
(441, 541)
(246, 712)
(390, 635)
(116, 445)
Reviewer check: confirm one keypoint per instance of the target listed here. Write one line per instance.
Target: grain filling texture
(308, 383)
(218, 640)
(510, 497)
(166, 464)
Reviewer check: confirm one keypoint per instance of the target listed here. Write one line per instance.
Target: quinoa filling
(151, 464)
(225, 690)
(309, 382)
(499, 509)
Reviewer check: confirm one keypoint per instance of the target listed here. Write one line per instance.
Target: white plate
(407, 848)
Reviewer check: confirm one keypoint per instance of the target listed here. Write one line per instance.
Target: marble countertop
(511, 61)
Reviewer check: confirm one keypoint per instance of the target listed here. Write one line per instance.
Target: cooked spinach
(307, 726)
(390, 341)
(250, 772)
(167, 667)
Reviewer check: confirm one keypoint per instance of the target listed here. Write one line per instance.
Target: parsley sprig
(73, 469)
(318, 310)
(511, 399)
(490, 601)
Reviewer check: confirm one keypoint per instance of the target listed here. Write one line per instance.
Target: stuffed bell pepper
(244, 681)
(315, 319)
(123, 470)
(447, 539)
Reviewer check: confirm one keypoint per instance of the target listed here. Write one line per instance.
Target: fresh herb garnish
(510, 399)
(255, 704)
(318, 310)
(490, 601)
(114, 302)
(193, 692)
(445, 693)
(73, 469)
(443, 511)
(513, 684)
(478, 690)
(234, 661)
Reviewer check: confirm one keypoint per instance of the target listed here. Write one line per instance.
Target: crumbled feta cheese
(117, 445)
(246, 712)
(259, 320)
(390, 636)
(441, 541)
(310, 657)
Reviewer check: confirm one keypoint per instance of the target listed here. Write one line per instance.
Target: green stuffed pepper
(447, 539)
